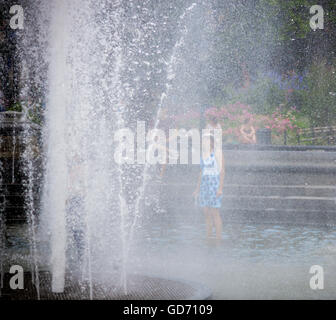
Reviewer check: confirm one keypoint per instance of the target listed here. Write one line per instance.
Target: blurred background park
(263, 63)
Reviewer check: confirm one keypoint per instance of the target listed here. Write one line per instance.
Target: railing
(314, 136)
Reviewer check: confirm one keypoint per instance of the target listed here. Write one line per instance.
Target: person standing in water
(248, 133)
(209, 188)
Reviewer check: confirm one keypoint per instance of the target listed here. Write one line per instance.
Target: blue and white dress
(210, 183)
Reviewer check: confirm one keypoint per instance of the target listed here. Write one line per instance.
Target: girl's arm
(198, 184)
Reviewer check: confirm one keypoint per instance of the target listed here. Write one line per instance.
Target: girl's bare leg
(163, 170)
(217, 222)
(208, 220)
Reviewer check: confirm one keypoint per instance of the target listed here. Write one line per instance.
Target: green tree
(318, 100)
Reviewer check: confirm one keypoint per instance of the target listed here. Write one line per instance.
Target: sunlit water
(112, 63)
(252, 261)
(100, 78)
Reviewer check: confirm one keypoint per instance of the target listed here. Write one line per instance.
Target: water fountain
(102, 59)
(18, 138)
(110, 230)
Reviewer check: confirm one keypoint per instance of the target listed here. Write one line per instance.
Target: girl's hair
(212, 118)
(211, 140)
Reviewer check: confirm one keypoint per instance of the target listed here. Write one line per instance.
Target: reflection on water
(252, 260)
(246, 241)
(240, 241)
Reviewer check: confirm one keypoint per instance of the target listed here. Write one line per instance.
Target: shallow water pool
(253, 261)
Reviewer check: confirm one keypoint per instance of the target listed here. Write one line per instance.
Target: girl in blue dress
(210, 186)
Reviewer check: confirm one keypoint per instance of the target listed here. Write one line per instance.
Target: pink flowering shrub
(278, 121)
(232, 116)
